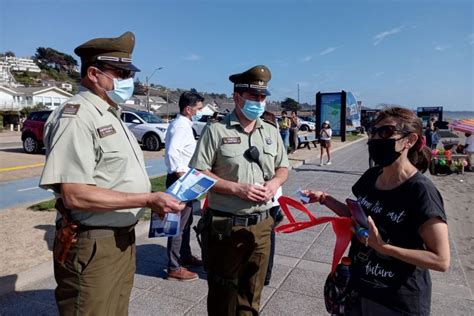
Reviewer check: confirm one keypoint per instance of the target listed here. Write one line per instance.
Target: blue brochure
(190, 186)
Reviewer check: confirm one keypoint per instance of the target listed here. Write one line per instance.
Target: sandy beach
(457, 191)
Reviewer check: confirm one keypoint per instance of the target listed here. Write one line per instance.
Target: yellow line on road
(22, 167)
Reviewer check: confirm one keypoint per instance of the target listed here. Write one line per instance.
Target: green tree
(193, 90)
(290, 104)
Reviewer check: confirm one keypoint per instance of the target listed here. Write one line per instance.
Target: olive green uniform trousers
(97, 276)
(236, 267)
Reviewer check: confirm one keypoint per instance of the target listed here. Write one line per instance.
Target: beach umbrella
(465, 126)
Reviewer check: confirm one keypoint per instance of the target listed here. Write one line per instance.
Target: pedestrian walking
(179, 148)
(285, 125)
(247, 157)
(96, 169)
(325, 141)
(407, 227)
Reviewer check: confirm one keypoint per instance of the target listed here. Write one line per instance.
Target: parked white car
(148, 128)
(307, 125)
(198, 126)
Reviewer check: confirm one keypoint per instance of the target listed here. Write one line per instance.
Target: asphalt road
(27, 190)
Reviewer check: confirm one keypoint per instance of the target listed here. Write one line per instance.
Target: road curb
(42, 271)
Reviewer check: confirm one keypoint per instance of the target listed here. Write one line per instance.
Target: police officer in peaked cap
(96, 169)
(247, 157)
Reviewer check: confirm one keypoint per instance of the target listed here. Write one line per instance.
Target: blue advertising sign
(331, 104)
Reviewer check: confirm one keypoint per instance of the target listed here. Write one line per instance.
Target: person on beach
(325, 142)
(408, 231)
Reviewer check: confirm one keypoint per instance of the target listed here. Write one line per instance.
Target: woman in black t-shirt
(408, 232)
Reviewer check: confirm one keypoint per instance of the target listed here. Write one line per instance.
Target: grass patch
(47, 206)
(157, 184)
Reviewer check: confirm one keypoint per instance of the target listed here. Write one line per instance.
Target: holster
(66, 233)
(202, 229)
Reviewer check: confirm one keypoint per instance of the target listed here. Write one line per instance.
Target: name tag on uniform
(231, 140)
(106, 130)
(71, 108)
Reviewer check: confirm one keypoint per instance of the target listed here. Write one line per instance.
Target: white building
(21, 64)
(20, 97)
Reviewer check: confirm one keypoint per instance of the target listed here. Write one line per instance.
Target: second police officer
(248, 158)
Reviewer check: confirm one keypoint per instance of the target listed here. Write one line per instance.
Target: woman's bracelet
(322, 198)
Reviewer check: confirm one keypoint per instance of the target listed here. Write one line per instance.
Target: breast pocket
(114, 157)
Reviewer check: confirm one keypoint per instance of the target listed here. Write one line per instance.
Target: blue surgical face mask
(123, 89)
(253, 109)
(197, 116)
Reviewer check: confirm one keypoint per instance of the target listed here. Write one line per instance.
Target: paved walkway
(302, 263)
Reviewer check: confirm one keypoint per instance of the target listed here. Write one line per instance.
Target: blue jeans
(285, 135)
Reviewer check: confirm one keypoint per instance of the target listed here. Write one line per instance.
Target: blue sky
(412, 53)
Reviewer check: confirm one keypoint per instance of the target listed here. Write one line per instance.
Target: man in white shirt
(180, 145)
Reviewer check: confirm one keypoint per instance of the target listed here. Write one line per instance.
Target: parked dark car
(32, 131)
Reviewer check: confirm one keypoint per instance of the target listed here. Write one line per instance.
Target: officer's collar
(101, 105)
(234, 120)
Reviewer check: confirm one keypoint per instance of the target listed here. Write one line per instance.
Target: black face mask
(382, 151)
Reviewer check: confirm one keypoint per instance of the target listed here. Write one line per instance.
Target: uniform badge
(231, 140)
(71, 108)
(106, 130)
(268, 140)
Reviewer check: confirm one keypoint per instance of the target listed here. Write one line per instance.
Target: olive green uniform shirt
(221, 150)
(86, 142)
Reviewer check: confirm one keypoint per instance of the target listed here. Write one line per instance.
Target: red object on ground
(342, 226)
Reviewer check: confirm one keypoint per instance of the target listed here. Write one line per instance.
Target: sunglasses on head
(386, 131)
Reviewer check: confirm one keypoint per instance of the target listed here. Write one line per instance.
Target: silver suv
(148, 128)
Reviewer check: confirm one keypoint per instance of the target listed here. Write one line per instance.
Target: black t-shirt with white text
(398, 215)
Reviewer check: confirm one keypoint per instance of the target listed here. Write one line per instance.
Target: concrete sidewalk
(302, 262)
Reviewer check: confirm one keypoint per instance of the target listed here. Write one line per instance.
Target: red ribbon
(342, 226)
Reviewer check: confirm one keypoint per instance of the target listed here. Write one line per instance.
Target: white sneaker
(321, 164)
(328, 163)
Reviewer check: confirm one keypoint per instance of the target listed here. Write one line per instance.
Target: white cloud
(328, 51)
(471, 38)
(193, 57)
(381, 36)
(306, 59)
(441, 47)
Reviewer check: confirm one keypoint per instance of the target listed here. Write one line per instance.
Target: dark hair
(189, 99)
(294, 112)
(269, 117)
(284, 112)
(407, 121)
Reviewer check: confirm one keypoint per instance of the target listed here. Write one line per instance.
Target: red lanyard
(342, 226)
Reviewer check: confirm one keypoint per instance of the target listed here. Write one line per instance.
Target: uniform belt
(244, 220)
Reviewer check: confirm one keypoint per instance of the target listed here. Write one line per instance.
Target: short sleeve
(281, 160)
(71, 157)
(205, 153)
(366, 182)
(428, 202)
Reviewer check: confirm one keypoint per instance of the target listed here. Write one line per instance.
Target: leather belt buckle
(241, 221)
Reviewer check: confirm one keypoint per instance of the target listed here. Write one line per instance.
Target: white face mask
(123, 89)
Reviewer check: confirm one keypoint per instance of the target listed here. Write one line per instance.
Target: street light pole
(148, 88)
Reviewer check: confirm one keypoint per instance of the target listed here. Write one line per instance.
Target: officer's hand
(272, 187)
(163, 203)
(252, 192)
